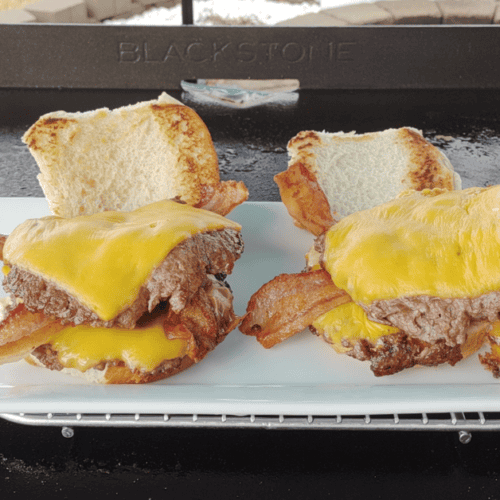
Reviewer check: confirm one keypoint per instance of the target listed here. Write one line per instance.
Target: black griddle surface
(251, 143)
(246, 464)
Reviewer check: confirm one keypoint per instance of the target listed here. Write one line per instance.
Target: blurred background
(206, 12)
(253, 12)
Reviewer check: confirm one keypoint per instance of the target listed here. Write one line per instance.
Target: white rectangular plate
(302, 376)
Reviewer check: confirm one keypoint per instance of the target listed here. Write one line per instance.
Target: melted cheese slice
(105, 258)
(349, 322)
(433, 242)
(83, 347)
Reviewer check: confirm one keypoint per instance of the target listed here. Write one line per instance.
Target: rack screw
(464, 437)
(67, 432)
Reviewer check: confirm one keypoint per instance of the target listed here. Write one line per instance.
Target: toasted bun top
(433, 243)
(359, 171)
(122, 159)
(104, 259)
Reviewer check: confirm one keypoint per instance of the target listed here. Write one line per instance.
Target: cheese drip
(103, 259)
(349, 322)
(83, 347)
(432, 242)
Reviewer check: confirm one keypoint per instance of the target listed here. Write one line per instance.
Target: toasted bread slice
(331, 175)
(128, 157)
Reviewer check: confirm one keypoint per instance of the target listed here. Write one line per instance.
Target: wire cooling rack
(463, 423)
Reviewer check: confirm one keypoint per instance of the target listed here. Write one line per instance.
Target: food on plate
(491, 360)
(119, 297)
(414, 281)
(331, 175)
(127, 158)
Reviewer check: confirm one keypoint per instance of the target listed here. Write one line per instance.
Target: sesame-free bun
(123, 159)
(332, 175)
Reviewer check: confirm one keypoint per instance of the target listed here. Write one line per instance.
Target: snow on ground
(210, 12)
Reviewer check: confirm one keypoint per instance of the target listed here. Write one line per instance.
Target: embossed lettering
(129, 52)
(218, 51)
(344, 51)
(147, 57)
(172, 52)
(293, 52)
(271, 49)
(194, 52)
(246, 52)
(199, 52)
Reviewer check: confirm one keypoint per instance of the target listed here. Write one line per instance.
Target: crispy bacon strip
(289, 303)
(205, 321)
(22, 331)
(304, 199)
(223, 197)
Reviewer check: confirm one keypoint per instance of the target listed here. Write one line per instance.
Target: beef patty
(183, 271)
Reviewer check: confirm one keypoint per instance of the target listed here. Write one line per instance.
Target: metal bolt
(464, 437)
(67, 432)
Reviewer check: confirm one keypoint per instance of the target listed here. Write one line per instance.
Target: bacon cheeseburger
(119, 297)
(414, 281)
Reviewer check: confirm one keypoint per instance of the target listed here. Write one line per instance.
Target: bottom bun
(123, 374)
(112, 372)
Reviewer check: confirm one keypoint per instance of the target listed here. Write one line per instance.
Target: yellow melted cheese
(495, 332)
(349, 321)
(83, 347)
(438, 243)
(104, 259)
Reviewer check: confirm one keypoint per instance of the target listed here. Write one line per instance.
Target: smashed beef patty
(432, 319)
(399, 351)
(183, 271)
